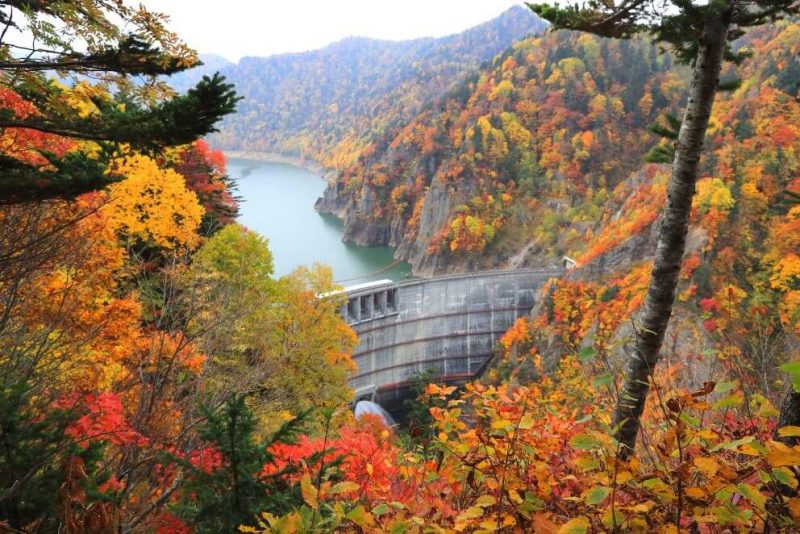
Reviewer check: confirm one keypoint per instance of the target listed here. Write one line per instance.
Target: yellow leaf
(515, 497)
(789, 431)
(782, 454)
(695, 493)
(526, 422)
(309, 492)
(579, 525)
(485, 500)
(498, 424)
(706, 434)
(472, 512)
(623, 477)
(707, 466)
(489, 525)
(153, 204)
(361, 517)
(766, 409)
(644, 507)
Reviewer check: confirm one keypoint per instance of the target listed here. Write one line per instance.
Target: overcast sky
(236, 28)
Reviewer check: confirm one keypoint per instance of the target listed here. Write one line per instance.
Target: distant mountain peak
(516, 15)
(310, 102)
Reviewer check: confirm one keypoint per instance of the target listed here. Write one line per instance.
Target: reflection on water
(278, 202)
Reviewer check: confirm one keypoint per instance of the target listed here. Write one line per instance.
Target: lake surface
(278, 202)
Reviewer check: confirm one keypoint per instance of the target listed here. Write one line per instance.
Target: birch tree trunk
(790, 415)
(672, 234)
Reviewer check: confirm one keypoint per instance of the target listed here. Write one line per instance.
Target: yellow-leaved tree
(152, 205)
(284, 343)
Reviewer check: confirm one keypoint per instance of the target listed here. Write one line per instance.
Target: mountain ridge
(320, 104)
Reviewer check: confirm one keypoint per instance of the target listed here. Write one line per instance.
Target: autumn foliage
(156, 376)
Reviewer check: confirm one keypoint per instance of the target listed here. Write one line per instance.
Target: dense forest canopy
(156, 376)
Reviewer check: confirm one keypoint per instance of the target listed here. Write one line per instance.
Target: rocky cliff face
(413, 248)
(520, 144)
(361, 225)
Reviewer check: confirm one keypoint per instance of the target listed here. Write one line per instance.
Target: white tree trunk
(657, 307)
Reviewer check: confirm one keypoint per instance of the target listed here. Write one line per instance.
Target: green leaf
(597, 494)
(526, 422)
(603, 380)
(308, 491)
(361, 517)
(690, 420)
(343, 487)
(579, 525)
(752, 495)
(728, 86)
(472, 512)
(791, 367)
(584, 442)
(735, 444)
(724, 387)
(785, 476)
(587, 354)
(729, 401)
(380, 509)
(587, 462)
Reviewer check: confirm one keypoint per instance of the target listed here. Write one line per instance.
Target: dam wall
(448, 324)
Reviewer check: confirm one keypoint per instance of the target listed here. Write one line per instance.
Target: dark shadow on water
(332, 221)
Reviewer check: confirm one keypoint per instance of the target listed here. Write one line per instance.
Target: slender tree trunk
(790, 415)
(672, 234)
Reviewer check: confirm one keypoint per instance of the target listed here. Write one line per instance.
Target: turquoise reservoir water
(278, 203)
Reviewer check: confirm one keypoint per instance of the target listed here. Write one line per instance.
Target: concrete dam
(448, 324)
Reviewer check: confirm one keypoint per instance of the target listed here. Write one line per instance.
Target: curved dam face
(447, 324)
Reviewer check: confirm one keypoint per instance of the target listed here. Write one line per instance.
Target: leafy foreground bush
(540, 458)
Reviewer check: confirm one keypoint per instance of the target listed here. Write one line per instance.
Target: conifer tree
(233, 490)
(122, 50)
(698, 34)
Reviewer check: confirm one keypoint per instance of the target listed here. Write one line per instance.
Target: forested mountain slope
(311, 102)
(542, 154)
(211, 63)
(538, 139)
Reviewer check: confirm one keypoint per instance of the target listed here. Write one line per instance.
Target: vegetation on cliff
(156, 377)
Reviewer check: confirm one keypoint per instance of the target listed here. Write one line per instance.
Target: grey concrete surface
(449, 324)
